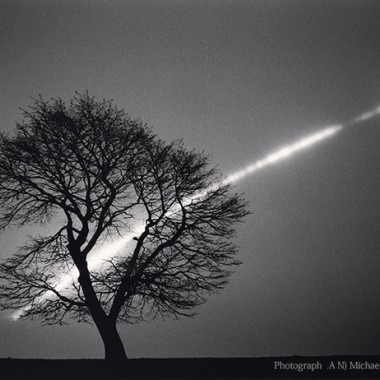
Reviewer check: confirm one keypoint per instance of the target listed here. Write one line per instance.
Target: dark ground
(197, 368)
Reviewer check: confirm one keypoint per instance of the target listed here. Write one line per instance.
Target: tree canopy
(92, 171)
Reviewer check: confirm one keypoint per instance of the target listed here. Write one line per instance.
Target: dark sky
(237, 79)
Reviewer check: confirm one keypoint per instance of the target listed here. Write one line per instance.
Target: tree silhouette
(93, 172)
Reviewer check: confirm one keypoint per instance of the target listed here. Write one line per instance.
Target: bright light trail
(366, 115)
(95, 261)
(111, 249)
(283, 153)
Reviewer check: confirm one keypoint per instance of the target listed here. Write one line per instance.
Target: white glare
(283, 153)
(95, 261)
(112, 249)
(367, 115)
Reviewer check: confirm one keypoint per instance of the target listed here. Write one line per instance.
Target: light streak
(111, 249)
(95, 261)
(366, 115)
(283, 153)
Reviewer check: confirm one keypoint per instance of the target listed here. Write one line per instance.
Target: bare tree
(93, 172)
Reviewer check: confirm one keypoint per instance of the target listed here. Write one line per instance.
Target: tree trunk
(114, 349)
(113, 346)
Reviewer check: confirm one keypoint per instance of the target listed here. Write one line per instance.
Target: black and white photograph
(189, 189)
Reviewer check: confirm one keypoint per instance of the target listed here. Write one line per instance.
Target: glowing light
(18, 314)
(367, 115)
(283, 153)
(95, 261)
(112, 249)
